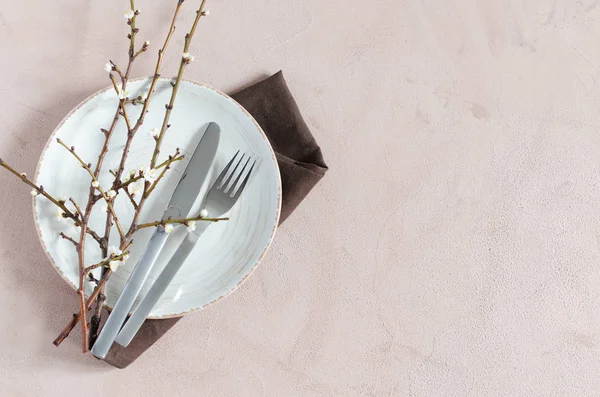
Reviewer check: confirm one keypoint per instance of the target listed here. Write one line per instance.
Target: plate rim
(202, 85)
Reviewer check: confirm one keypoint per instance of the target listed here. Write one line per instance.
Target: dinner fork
(221, 197)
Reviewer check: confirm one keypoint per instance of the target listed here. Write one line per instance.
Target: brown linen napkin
(301, 166)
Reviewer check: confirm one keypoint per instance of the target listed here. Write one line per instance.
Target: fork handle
(157, 289)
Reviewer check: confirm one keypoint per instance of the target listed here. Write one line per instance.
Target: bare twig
(81, 291)
(77, 317)
(64, 236)
(95, 321)
(95, 294)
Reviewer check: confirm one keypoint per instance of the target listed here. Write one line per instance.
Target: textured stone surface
(452, 249)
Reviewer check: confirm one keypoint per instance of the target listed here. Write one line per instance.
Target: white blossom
(34, 192)
(60, 215)
(191, 226)
(206, 13)
(147, 43)
(123, 94)
(135, 188)
(108, 67)
(188, 57)
(204, 213)
(111, 193)
(96, 184)
(155, 132)
(129, 14)
(63, 199)
(114, 251)
(132, 172)
(150, 174)
(168, 228)
(114, 265)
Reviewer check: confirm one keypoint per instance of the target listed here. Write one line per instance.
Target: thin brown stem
(60, 204)
(121, 101)
(179, 221)
(161, 53)
(84, 227)
(138, 177)
(131, 200)
(182, 65)
(81, 291)
(99, 290)
(161, 175)
(64, 236)
(77, 317)
(133, 29)
(106, 262)
(95, 321)
(147, 190)
(95, 180)
(39, 189)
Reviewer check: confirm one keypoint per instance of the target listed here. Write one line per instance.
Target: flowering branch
(185, 60)
(162, 174)
(151, 177)
(131, 15)
(107, 196)
(122, 94)
(136, 178)
(39, 190)
(107, 261)
(185, 221)
(97, 294)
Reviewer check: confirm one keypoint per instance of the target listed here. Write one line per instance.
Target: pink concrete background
(452, 250)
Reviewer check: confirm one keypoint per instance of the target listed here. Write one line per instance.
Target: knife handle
(146, 305)
(130, 292)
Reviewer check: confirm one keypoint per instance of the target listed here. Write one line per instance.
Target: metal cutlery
(181, 202)
(221, 197)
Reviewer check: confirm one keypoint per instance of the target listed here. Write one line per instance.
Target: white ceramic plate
(227, 252)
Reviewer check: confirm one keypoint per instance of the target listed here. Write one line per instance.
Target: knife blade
(180, 204)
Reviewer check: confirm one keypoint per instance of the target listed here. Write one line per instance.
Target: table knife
(181, 202)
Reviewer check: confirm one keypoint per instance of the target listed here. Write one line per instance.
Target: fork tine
(227, 184)
(243, 184)
(233, 189)
(219, 182)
